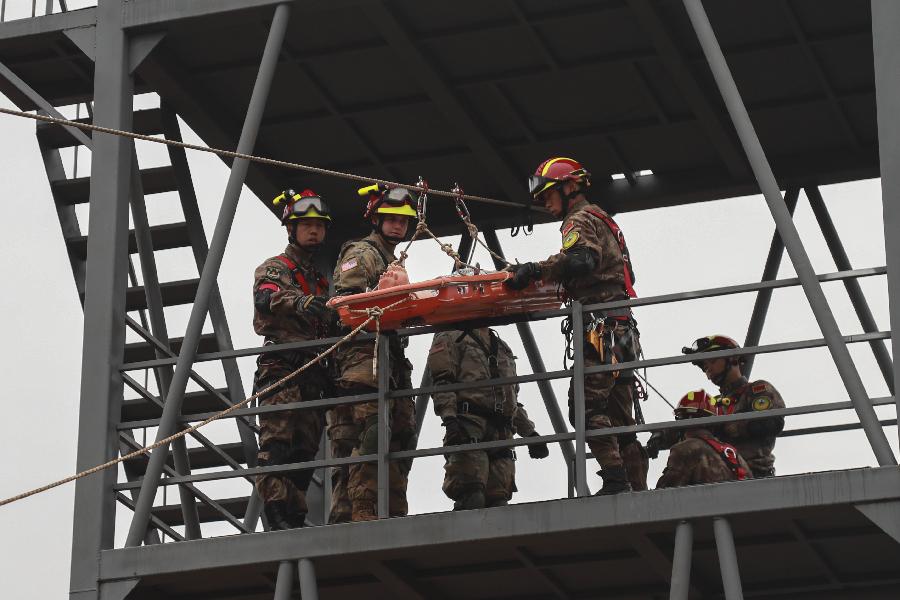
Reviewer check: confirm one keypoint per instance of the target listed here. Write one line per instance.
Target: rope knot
(375, 311)
(473, 230)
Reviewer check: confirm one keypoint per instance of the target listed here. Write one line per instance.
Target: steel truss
(107, 423)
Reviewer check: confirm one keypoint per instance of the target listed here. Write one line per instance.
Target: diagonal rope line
(374, 314)
(266, 161)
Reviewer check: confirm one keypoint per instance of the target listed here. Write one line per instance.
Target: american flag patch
(758, 388)
(348, 265)
(436, 349)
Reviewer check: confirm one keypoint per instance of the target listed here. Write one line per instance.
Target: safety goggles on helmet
(541, 183)
(710, 344)
(305, 205)
(392, 201)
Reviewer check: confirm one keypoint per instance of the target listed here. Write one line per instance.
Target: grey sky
(679, 249)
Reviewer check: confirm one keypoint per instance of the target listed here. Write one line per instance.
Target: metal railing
(577, 467)
(48, 5)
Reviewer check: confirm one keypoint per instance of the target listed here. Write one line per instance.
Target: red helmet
(555, 171)
(305, 205)
(711, 344)
(384, 199)
(696, 404)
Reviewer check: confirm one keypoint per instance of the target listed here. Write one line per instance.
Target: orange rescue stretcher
(445, 300)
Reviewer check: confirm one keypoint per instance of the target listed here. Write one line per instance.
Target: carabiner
(423, 200)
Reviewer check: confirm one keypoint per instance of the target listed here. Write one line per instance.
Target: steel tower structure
(772, 95)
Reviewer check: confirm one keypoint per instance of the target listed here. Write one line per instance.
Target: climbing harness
(728, 454)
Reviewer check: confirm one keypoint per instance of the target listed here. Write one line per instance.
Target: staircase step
(200, 458)
(171, 514)
(138, 409)
(77, 191)
(51, 135)
(173, 294)
(165, 237)
(141, 351)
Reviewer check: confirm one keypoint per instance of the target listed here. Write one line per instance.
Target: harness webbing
(321, 282)
(620, 238)
(728, 454)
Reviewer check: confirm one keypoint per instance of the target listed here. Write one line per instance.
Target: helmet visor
(309, 206)
(701, 345)
(399, 196)
(539, 183)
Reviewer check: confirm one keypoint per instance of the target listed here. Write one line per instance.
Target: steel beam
(160, 331)
(764, 297)
(681, 561)
(211, 270)
(194, 223)
(309, 588)
(731, 577)
(886, 42)
(793, 243)
(104, 307)
(428, 77)
(854, 291)
(752, 497)
(284, 585)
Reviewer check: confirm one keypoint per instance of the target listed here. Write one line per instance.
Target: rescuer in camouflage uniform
(359, 267)
(754, 439)
(701, 457)
(593, 267)
(478, 479)
(289, 297)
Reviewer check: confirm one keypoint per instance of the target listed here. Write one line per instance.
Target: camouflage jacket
(755, 439)
(282, 323)
(456, 357)
(360, 264)
(581, 229)
(694, 461)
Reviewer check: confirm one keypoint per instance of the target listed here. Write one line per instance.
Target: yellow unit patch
(762, 403)
(570, 240)
(348, 265)
(436, 349)
(273, 273)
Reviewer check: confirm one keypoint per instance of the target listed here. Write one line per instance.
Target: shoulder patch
(762, 403)
(273, 273)
(348, 265)
(570, 240)
(759, 388)
(436, 349)
(568, 228)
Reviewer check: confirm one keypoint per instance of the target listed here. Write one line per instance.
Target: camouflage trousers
(286, 437)
(610, 405)
(344, 435)
(495, 472)
(363, 484)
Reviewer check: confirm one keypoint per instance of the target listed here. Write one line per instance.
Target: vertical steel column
(681, 561)
(731, 577)
(159, 329)
(581, 487)
(194, 223)
(284, 584)
(210, 271)
(854, 291)
(537, 363)
(422, 401)
(104, 308)
(886, 45)
(764, 297)
(309, 589)
(384, 425)
(792, 242)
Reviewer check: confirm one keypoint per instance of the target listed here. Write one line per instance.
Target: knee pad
(368, 439)
(278, 453)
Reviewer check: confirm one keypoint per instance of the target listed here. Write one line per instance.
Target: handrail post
(581, 487)
(384, 425)
(681, 561)
(731, 577)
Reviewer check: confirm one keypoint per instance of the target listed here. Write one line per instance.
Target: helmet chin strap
(390, 239)
(719, 380)
(308, 248)
(566, 198)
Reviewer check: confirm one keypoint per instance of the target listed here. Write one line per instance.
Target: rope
(266, 161)
(207, 421)
(376, 313)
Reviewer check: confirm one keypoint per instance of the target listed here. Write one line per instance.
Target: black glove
(538, 450)
(522, 275)
(454, 435)
(653, 444)
(311, 305)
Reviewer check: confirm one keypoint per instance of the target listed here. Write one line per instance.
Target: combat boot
(615, 481)
(278, 517)
(364, 510)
